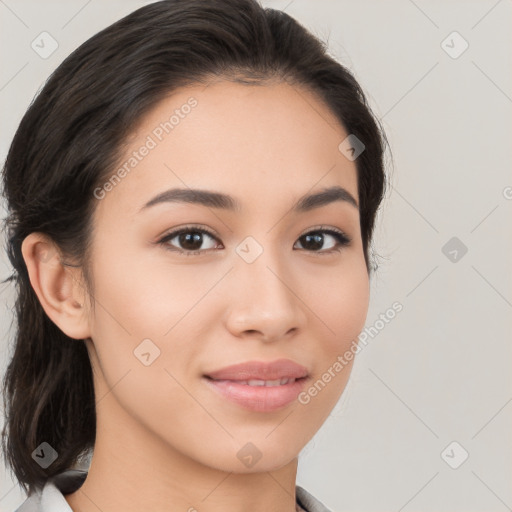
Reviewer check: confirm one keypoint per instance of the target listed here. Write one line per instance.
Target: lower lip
(258, 398)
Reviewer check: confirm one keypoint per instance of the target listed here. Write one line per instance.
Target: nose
(266, 300)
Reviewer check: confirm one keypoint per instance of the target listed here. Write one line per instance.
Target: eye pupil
(317, 241)
(188, 239)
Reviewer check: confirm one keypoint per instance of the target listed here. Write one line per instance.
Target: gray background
(440, 370)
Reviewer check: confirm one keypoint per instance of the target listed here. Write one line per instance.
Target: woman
(191, 198)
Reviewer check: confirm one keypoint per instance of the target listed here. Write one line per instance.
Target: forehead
(264, 142)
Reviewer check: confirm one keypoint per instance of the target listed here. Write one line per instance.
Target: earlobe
(58, 287)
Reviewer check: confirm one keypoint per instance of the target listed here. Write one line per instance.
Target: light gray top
(50, 498)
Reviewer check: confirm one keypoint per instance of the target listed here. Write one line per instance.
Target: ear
(58, 287)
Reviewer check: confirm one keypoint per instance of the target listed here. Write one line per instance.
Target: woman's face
(253, 287)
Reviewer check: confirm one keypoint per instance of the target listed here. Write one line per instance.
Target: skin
(165, 441)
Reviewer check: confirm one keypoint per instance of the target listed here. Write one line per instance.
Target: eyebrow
(219, 200)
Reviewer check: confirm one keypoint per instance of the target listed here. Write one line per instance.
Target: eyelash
(343, 239)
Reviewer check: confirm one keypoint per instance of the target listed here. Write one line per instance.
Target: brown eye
(187, 240)
(314, 240)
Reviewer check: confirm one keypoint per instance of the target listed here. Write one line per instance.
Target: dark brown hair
(68, 143)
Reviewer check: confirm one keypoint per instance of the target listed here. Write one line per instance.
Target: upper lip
(279, 369)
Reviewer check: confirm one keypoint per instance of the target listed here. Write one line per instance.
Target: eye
(315, 239)
(190, 238)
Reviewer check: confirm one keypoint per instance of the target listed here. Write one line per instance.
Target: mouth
(258, 395)
(260, 383)
(258, 372)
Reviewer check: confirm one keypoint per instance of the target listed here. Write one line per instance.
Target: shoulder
(308, 502)
(50, 498)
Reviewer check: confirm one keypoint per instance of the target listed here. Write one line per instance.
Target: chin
(249, 457)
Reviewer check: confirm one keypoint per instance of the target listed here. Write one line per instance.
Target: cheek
(340, 301)
(342, 310)
(150, 320)
(147, 297)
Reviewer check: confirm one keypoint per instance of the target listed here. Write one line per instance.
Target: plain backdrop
(433, 386)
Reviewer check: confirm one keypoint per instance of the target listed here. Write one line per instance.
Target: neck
(133, 470)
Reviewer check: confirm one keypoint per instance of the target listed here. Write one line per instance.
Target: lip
(231, 383)
(278, 369)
